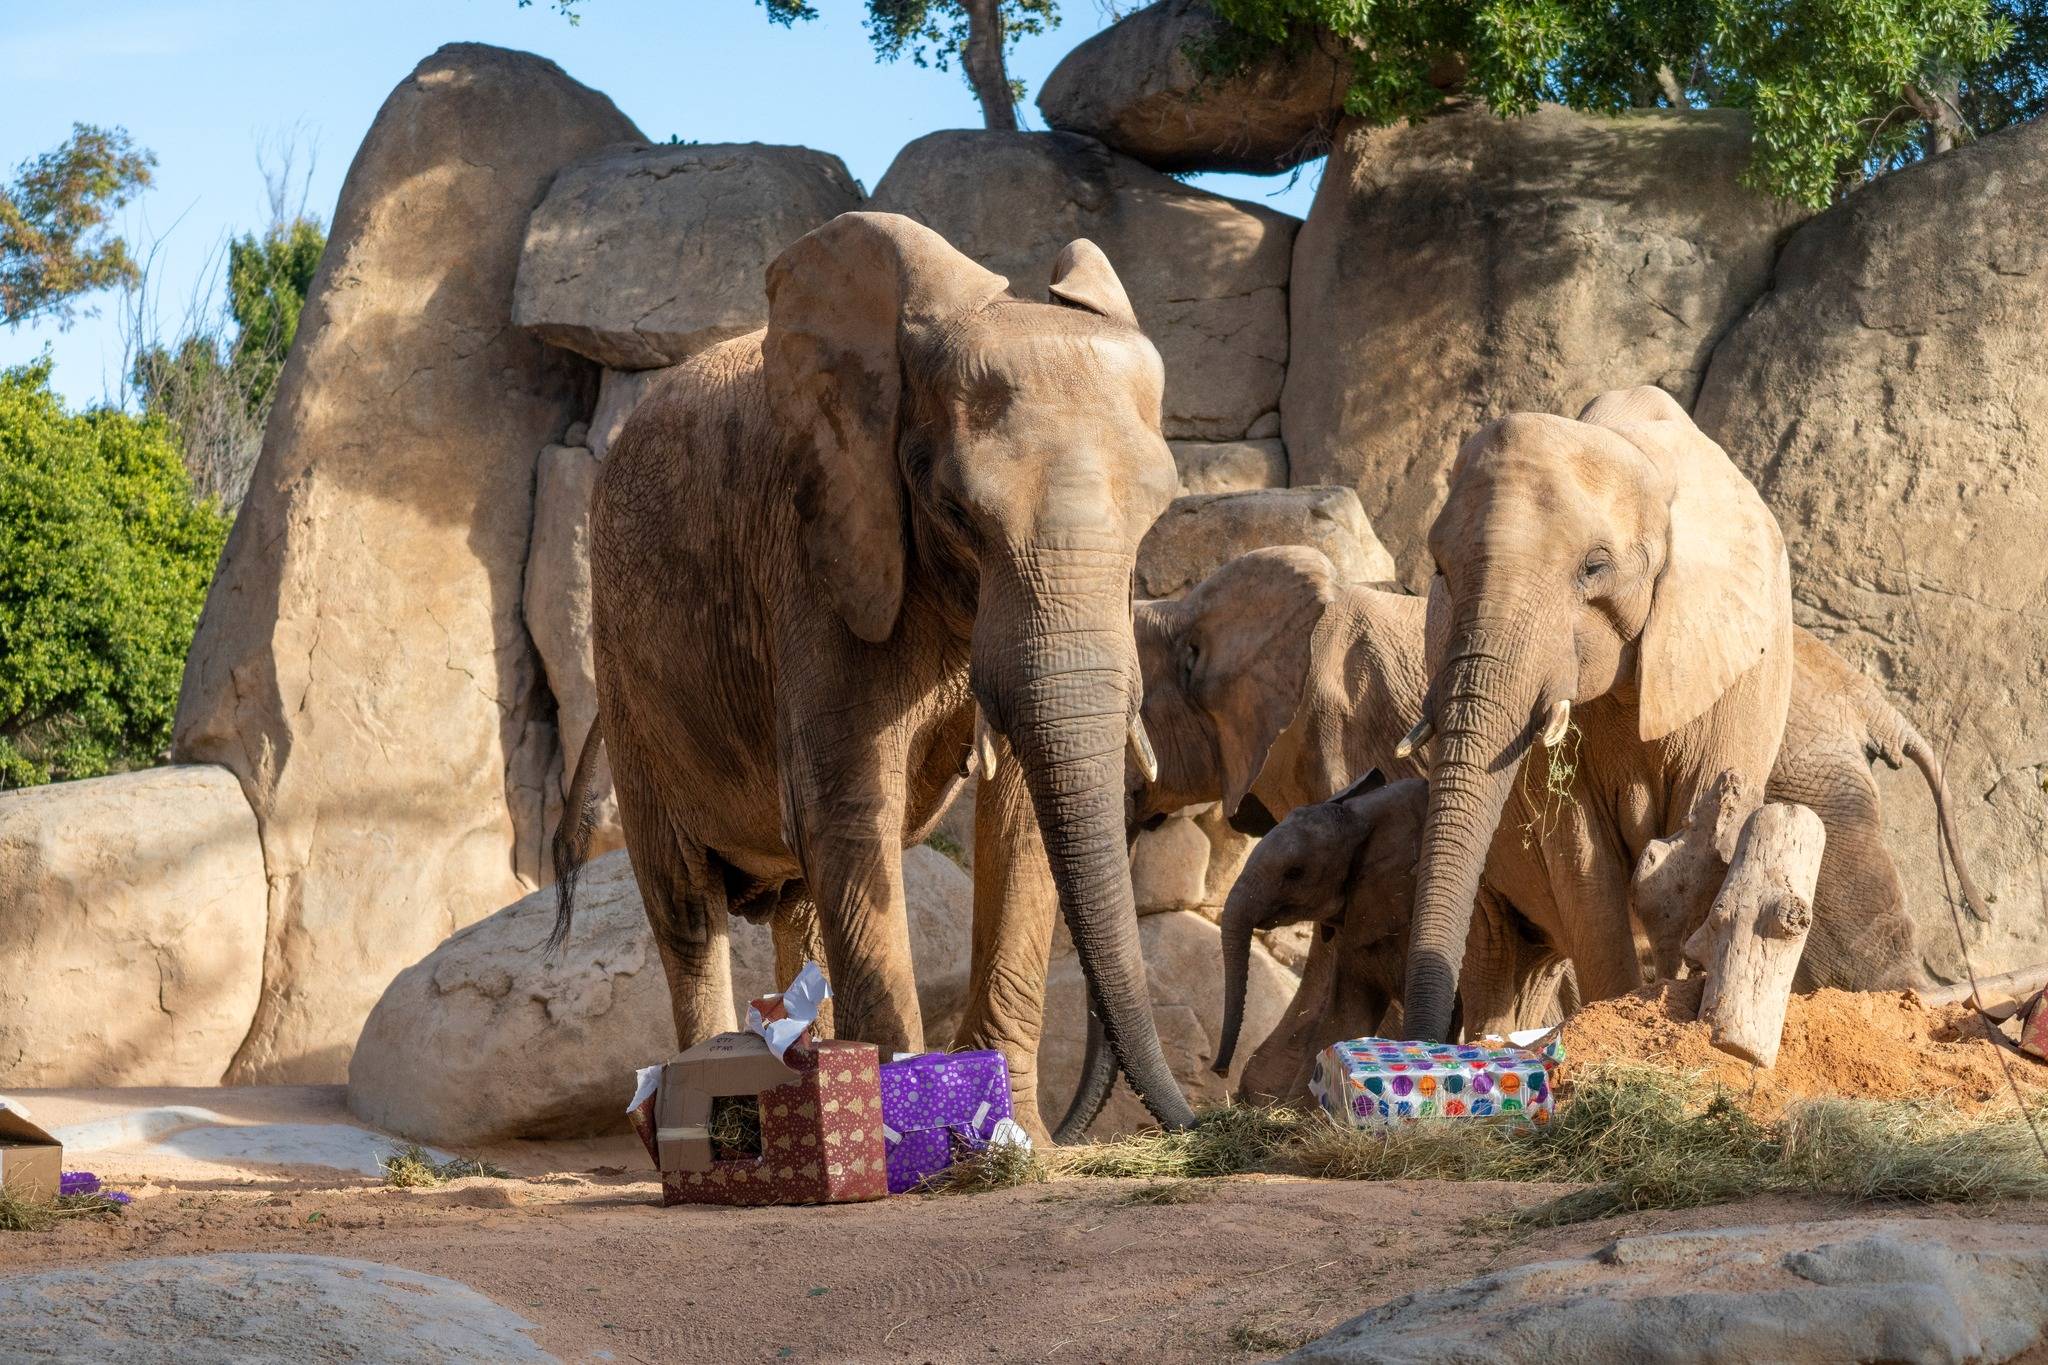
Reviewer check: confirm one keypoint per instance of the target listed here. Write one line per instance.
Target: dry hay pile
(1871, 1045)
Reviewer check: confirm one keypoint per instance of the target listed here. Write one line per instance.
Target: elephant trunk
(1240, 918)
(1055, 670)
(1489, 699)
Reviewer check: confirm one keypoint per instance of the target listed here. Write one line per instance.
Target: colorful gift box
(810, 1123)
(937, 1107)
(1377, 1082)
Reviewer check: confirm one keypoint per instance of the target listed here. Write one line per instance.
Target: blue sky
(203, 85)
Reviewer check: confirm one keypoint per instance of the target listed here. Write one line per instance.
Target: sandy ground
(1067, 1272)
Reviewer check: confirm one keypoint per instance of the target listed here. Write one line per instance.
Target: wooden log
(1750, 944)
(1993, 992)
(1679, 875)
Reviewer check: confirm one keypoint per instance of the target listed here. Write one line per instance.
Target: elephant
(1347, 865)
(837, 563)
(1272, 679)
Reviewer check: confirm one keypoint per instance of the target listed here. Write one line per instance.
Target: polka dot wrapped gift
(1377, 1082)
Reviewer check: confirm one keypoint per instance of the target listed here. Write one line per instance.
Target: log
(1750, 944)
(1993, 992)
(1679, 875)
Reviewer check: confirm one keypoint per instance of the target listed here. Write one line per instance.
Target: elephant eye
(1597, 563)
(1190, 655)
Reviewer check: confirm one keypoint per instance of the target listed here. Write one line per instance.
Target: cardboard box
(937, 1107)
(1379, 1082)
(819, 1123)
(31, 1161)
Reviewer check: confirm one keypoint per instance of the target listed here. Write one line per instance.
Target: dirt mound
(1859, 1045)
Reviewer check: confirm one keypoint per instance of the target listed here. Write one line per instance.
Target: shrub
(104, 560)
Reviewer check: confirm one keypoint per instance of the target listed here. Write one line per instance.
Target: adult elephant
(1614, 593)
(817, 552)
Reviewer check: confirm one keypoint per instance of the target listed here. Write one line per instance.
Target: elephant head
(1621, 556)
(1005, 456)
(1346, 865)
(1225, 668)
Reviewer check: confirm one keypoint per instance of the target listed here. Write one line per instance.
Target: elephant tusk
(1141, 749)
(1415, 739)
(981, 762)
(1559, 721)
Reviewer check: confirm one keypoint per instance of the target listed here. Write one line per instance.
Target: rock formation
(1206, 275)
(1137, 87)
(1473, 266)
(1905, 1289)
(1196, 534)
(642, 256)
(362, 664)
(131, 929)
(489, 1036)
(1887, 399)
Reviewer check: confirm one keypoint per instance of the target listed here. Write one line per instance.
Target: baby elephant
(1347, 865)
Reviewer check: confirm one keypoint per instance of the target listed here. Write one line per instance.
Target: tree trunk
(984, 62)
(1750, 944)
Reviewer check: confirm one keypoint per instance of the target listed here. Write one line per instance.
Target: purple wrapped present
(938, 1106)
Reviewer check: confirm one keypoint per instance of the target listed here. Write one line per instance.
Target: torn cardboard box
(31, 1161)
(727, 1123)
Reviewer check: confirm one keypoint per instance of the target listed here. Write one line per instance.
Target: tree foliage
(105, 557)
(55, 242)
(1832, 85)
(214, 387)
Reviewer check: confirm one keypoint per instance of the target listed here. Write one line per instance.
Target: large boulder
(362, 664)
(131, 929)
(1198, 533)
(1141, 88)
(1184, 971)
(1206, 275)
(491, 1036)
(1949, 1290)
(640, 256)
(1230, 466)
(1472, 266)
(1887, 399)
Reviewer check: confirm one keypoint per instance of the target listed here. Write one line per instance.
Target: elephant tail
(1922, 753)
(1894, 738)
(572, 835)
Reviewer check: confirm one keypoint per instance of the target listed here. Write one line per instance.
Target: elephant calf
(1347, 866)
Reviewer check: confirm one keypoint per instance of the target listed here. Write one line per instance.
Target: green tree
(105, 556)
(1833, 85)
(55, 242)
(268, 278)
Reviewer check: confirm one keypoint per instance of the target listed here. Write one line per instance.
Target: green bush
(104, 560)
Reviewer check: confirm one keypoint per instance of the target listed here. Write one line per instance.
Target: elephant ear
(1254, 624)
(841, 300)
(1082, 278)
(1373, 780)
(1724, 599)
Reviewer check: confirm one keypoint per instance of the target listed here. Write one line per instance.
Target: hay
(413, 1167)
(1630, 1137)
(735, 1127)
(19, 1215)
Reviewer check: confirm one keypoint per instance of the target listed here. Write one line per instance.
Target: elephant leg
(1014, 905)
(686, 912)
(843, 805)
(1488, 982)
(799, 939)
(1862, 938)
